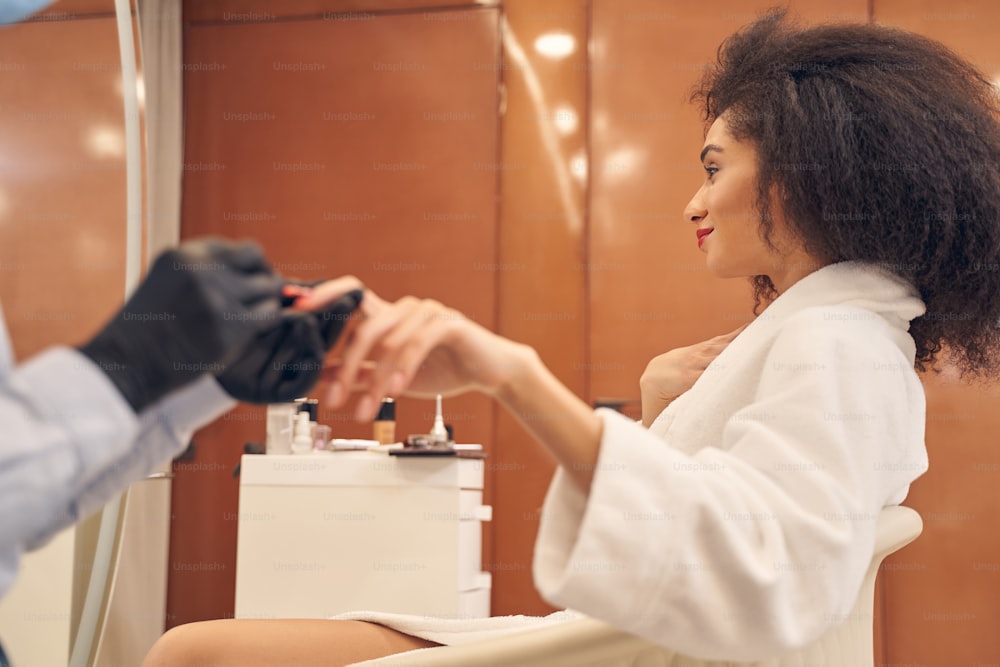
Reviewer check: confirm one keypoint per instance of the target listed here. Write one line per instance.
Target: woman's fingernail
(396, 383)
(335, 394)
(365, 409)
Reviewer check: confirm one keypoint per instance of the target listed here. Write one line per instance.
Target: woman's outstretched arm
(420, 348)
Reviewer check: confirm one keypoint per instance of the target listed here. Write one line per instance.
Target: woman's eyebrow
(710, 147)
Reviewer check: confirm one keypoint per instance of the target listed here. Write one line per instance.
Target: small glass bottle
(302, 443)
(384, 429)
(439, 434)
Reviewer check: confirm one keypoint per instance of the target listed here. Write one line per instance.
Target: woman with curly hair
(852, 176)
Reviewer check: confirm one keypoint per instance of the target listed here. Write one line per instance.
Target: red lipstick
(702, 233)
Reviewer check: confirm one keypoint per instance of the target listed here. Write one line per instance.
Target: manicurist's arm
(70, 442)
(206, 326)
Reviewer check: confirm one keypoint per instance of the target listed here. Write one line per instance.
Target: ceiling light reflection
(4, 206)
(555, 45)
(566, 119)
(105, 141)
(578, 166)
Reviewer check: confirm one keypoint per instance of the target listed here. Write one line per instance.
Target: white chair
(591, 643)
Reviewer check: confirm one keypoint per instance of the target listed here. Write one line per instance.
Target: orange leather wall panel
(542, 271)
(339, 11)
(365, 147)
(62, 188)
(73, 9)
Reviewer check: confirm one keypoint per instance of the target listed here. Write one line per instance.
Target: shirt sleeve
(70, 442)
(758, 546)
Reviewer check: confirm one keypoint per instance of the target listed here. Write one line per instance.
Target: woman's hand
(416, 347)
(669, 375)
(419, 347)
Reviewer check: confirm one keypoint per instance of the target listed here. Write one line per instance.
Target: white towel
(453, 631)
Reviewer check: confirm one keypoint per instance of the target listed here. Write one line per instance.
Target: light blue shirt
(12, 11)
(69, 442)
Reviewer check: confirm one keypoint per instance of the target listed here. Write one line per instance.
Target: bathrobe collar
(854, 287)
(853, 284)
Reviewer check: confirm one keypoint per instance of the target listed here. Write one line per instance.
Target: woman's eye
(711, 171)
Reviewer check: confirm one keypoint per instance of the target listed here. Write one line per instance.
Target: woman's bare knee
(277, 643)
(185, 646)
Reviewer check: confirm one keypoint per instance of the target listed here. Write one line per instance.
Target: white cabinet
(327, 533)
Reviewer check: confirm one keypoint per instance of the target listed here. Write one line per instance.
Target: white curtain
(160, 36)
(135, 600)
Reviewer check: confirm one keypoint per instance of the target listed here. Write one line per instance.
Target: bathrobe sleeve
(757, 545)
(69, 442)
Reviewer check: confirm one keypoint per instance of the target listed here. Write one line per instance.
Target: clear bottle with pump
(302, 443)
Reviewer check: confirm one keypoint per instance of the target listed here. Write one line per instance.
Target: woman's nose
(695, 210)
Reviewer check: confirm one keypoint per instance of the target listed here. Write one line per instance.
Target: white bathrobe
(741, 524)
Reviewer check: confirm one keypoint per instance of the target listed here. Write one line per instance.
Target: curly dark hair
(882, 146)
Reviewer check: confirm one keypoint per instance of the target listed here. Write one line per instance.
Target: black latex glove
(285, 361)
(198, 304)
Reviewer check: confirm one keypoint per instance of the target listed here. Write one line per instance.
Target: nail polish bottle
(439, 434)
(384, 429)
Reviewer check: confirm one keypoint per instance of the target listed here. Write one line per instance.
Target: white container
(280, 424)
(335, 532)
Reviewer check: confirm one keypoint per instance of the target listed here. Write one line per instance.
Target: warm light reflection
(105, 141)
(622, 162)
(566, 119)
(599, 122)
(555, 45)
(578, 165)
(550, 141)
(140, 89)
(4, 205)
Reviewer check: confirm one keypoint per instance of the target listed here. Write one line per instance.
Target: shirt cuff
(165, 430)
(166, 427)
(191, 407)
(70, 391)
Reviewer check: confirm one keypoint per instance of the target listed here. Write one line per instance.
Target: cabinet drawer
(475, 603)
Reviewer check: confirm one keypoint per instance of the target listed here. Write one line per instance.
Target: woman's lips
(702, 233)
